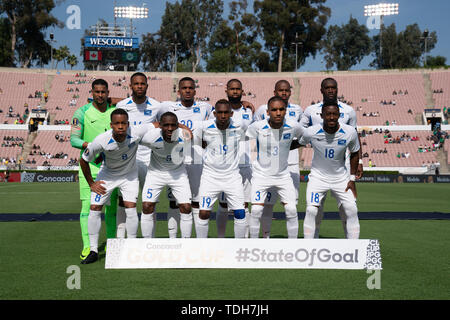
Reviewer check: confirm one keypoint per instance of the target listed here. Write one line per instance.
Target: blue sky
(431, 15)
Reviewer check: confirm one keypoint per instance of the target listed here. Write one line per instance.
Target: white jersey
(293, 114)
(328, 162)
(165, 156)
(311, 116)
(141, 114)
(244, 116)
(273, 146)
(222, 153)
(191, 117)
(119, 158)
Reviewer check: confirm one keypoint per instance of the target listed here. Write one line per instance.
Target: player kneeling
(328, 170)
(119, 170)
(167, 168)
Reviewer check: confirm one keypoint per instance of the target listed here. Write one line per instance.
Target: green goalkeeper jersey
(87, 123)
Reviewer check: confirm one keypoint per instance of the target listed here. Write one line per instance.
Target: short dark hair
(223, 101)
(168, 114)
(186, 79)
(330, 103)
(119, 111)
(99, 82)
(273, 99)
(138, 74)
(322, 84)
(280, 82)
(234, 80)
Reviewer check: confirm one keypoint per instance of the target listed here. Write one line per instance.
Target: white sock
(173, 220)
(121, 217)
(240, 228)
(343, 219)
(353, 227)
(255, 220)
(94, 226)
(221, 221)
(318, 221)
(202, 228)
(291, 221)
(186, 224)
(266, 220)
(247, 225)
(147, 225)
(132, 222)
(309, 224)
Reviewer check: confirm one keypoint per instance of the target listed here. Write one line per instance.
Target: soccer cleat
(92, 257)
(85, 253)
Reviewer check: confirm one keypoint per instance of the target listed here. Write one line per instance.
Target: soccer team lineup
(243, 157)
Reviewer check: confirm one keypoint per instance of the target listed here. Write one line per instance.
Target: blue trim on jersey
(130, 102)
(286, 126)
(212, 126)
(180, 140)
(310, 121)
(231, 126)
(148, 102)
(160, 139)
(129, 137)
(341, 130)
(111, 141)
(266, 126)
(320, 131)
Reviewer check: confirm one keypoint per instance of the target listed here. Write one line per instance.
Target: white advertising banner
(243, 253)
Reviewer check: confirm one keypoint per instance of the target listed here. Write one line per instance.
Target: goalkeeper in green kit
(88, 122)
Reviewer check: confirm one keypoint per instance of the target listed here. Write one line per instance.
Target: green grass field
(35, 255)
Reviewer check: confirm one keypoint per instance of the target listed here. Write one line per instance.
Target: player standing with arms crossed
(88, 122)
(119, 170)
(293, 114)
(221, 138)
(312, 116)
(167, 168)
(270, 171)
(142, 110)
(328, 171)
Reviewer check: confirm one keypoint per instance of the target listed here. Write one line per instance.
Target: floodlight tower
(131, 12)
(381, 9)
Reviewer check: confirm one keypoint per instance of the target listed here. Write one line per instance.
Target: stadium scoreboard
(111, 51)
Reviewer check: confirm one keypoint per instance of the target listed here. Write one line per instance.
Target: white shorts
(317, 190)
(128, 187)
(211, 188)
(294, 170)
(263, 188)
(177, 180)
(194, 172)
(246, 174)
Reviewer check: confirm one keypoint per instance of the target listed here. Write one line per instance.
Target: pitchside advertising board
(243, 253)
(49, 176)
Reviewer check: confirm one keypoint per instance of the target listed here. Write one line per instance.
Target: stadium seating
(50, 146)
(364, 90)
(16, 95)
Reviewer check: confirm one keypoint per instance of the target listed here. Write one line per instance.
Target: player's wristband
(360, 161)
(352, 177)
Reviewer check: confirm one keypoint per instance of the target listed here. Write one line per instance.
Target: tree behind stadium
(282, 19)
(189, 23)
(345, 46)
(403, 49)
(28, 20)
(234, 47)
